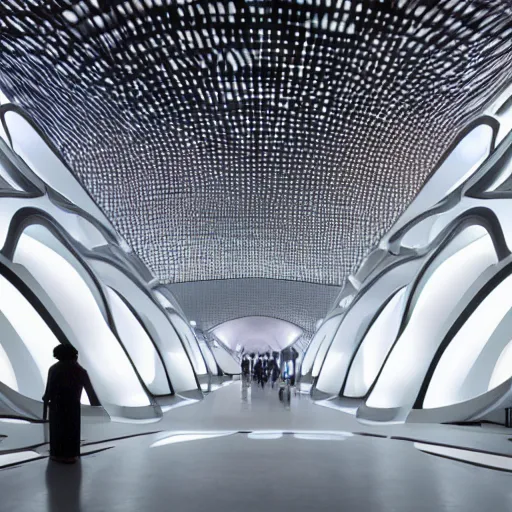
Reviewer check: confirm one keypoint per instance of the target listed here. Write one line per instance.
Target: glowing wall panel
(375, 347)
(190, 342)
(157, 322)
(225, 361)
(448, 384)
(320, 341)
(503, 369)
(34, 357)
(356, 322)
(208, 356)
(111, 372)
(7, 375)
(138, 345)
(401, 378)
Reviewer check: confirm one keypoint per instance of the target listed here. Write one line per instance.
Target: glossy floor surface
(243, 450)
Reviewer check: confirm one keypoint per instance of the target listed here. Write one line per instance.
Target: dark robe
(66, 380)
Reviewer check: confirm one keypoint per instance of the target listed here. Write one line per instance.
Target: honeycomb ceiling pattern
(248, 138)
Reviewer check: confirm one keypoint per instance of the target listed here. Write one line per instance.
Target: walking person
(66, 381)
(258, 372)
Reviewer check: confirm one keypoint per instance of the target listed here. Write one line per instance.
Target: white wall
(138, 345)
(449, 384)
(111, 372)
(437, 299)
(322, 338)
(190, 342)
(173, 354)
(27, 343)
(375, 346)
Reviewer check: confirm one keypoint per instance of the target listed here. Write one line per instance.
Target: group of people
(261, 370)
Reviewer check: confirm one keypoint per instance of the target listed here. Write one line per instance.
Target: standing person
(275, 374)
(258, 372)
(245, 368)
(66, 380)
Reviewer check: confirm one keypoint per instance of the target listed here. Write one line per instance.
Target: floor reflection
(64, 482)
(251, 391)
(246, 394)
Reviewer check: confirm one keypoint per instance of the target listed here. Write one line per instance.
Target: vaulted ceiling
(253, 139)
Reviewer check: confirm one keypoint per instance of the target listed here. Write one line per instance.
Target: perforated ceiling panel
(273, 139)
(211, 303)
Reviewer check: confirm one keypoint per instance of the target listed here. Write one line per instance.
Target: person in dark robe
(66, 381)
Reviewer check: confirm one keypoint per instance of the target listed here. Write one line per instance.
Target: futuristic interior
(278, 233)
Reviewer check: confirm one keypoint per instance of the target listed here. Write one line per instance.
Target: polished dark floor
(286, 466)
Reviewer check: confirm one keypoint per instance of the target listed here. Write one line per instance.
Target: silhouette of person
(66, 380)
(258, 372)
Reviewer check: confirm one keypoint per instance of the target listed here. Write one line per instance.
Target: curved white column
(8, 377)
(355, 323)
(190, 342)
(157, 322)
(111, 372)
(138, 345)
(34, 357)
(432, 315)
(322, 337)
(375, 347)
(449, 382)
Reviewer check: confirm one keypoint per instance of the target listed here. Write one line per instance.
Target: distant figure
(66, 380)
(246, 367)
(275, 374)
(258, 372)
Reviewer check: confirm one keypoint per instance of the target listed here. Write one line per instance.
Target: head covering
(65, 353)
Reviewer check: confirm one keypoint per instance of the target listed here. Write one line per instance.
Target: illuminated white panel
(208, 356)
(33, 332)
(356, 322)
(447, 384)
(100, 352)
(375, 347)
(190, 342)
(328, 329)
(316, 342)
(503, 369)
(7, 375)
(225, 361)
(401, 378)
(28, 144)
(157, 322)
(138, 345)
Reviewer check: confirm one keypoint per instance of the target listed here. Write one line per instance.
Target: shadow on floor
(64, 482)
